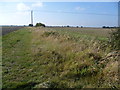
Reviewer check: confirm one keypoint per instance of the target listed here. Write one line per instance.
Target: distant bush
(115, 40)
(81, 26)
(30, 25)
(40, 24)
(105, 27)
(68, 26)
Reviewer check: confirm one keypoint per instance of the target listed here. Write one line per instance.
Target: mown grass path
(16, 57)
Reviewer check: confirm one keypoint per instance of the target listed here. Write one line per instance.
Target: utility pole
(31, 18)
(119, 14)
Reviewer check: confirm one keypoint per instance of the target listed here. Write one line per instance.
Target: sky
(89, 14)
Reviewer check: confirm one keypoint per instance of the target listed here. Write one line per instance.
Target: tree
(68, 26)
(104, 27)
(30, 25)
(40, 24)
(81, 26)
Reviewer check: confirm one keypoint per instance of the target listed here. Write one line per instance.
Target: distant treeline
(66, 26)
(41, 24)
(110, 27)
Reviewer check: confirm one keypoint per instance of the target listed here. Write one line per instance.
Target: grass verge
(43, 58)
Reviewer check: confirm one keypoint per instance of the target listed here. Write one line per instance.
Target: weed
(46, 34)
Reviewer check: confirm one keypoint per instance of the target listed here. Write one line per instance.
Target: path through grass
(45, 58)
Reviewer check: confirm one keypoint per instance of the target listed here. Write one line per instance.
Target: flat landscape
(59, 57)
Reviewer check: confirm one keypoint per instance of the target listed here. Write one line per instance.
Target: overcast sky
(93, 14)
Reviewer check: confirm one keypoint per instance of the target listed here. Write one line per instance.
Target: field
(8, 29)
(57, 57)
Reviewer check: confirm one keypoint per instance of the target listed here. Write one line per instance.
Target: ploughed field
(8, 29)
(56, 57)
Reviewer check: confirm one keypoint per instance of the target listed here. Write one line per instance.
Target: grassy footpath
(16, 58)
(45, 58)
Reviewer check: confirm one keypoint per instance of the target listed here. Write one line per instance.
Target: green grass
(16, 56)
(0, 62)
(55, 58)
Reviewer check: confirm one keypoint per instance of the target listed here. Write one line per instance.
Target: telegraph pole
(119, 14)
(32, 17)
